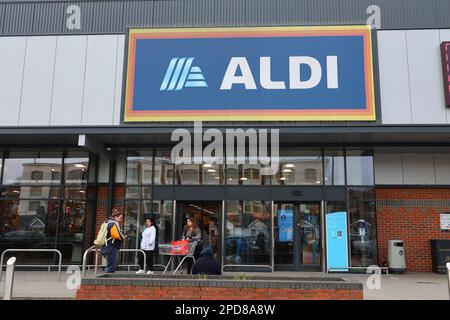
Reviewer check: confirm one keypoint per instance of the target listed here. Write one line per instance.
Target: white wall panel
(394, 77)
(388, 168)
(12, 56)
(38, 81)
(69, 80)
(445, 36)
(99, 86)
(119, 79)
(442, 165)
(425, 70)
(418, 168)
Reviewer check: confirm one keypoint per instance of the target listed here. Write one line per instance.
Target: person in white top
(148, 244)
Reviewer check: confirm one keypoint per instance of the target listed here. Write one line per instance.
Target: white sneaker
(140, 271)
(149, 272)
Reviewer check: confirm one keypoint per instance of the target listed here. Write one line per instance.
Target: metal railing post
(9, 281)
(448, 276)
(32, 250)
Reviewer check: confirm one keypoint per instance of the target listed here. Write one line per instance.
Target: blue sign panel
(285, 225)
(337, 241)
(278, 73)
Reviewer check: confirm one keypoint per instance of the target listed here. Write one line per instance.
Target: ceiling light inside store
(283, 178)
(207, 165)
(244, 179)
(211, 170)
(287, 170)
(78, 165)
(289, 165)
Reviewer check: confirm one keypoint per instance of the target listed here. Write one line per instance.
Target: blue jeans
(112, 258)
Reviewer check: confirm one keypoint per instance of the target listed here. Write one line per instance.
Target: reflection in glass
(359, 168)
(334, 165)
(298, 167)
(76, 167)
(71, 230)
(28, 168)
(21, 228)
(188, 174)
(164, 168)
(247, 232)
(139, 167)
(363, 233)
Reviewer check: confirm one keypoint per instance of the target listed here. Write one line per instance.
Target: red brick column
(414, 222)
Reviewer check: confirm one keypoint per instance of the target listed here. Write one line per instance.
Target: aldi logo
(181, 74)
(250, 74)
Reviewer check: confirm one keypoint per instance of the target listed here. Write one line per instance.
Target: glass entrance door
(297, 236)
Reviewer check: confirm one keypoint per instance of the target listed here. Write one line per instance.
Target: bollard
(448, 275)
(9, 281)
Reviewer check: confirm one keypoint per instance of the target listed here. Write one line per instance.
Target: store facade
(93, 93)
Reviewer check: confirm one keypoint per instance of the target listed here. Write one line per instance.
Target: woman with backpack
(149, 245)
(113, 242)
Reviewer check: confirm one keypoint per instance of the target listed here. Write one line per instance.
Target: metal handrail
(248, 266)
(32, 250)
(83, 270)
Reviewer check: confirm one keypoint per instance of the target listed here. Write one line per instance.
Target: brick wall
(411, 215)
(102, 292)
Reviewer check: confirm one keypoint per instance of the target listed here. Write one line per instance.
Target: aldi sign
(247, 74)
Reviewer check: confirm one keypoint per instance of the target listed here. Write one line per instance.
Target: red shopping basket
(179, 247)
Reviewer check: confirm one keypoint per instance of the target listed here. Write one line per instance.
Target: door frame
(297, 265)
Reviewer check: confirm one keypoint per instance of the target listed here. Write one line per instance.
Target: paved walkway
(410, 286)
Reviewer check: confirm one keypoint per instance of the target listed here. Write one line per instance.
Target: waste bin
(396, 256)
(440, 255)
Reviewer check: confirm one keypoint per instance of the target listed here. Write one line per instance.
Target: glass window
(212, 174)
(71, 229)
(363, 233)
(164, 168)
(361, 194)
(76, 167)
(299, 167)
(139, 167)
(32, 168)
(359, 168)
(334, 165)
(247, 233)
(188, 174)
(28, 224)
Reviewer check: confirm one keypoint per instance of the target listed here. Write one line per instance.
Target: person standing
(192, 233)
(148, 244)
(114, 241)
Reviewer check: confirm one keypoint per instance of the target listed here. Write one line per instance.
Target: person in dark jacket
(206, 264)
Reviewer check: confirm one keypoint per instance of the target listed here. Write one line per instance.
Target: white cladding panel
(100, 85)
(69, 80)
(119, 79)
(388, 168)
(394, 80)
(38, 81)
(12, 54)
(78, 80)
(418, 168)
(425, 71)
